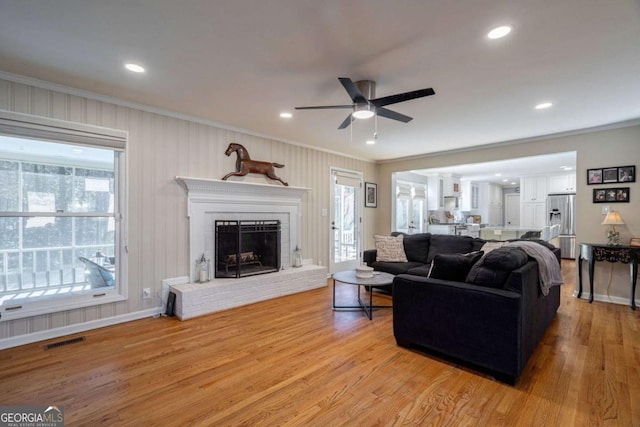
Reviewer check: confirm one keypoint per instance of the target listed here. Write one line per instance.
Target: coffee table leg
(333, 304)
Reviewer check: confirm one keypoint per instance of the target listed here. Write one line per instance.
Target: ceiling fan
(365, 105)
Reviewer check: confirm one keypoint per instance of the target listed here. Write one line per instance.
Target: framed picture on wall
(609, 175)
(611, 195)
(370, 195)
(627, 174)
(594, 176)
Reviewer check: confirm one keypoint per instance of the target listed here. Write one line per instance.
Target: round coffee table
(349, 278)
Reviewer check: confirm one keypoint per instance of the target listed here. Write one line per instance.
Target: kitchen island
(548, 233)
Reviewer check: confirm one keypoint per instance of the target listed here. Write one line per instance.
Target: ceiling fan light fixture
(363, 111)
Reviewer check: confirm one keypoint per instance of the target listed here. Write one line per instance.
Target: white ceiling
(240, 63)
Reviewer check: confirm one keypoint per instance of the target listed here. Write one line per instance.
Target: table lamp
(613, 218)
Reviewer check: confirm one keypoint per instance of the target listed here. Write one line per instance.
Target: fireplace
(246, 248)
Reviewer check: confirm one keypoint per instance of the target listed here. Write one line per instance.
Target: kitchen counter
(460, 229)
(509, 233)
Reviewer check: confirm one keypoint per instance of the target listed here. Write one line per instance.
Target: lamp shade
(613, 218)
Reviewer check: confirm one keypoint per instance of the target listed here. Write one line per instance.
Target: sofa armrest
(369, 256)
(537, 310)
(472, 323)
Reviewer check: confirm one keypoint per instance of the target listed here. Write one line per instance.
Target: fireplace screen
(246, 248)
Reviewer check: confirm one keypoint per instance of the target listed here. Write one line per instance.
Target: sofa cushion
(395, 268)
(390, 248)
(454, 267)
(494, 268)
(423, 270)
(447, 244)
(416, 247)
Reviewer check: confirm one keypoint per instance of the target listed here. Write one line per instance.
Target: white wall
(162, 146)
(616, 147)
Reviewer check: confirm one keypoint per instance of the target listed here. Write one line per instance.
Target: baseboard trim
(606, 298)
(80, 327)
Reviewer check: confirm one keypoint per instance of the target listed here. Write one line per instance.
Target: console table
(593, 252)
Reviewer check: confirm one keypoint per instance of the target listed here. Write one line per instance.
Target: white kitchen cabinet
(533, 201)
(533, 215)
(435, 192)
(475, 196)
(469, 195)
(490, 203)
(565, 183)
(533, 189)
(451, 186)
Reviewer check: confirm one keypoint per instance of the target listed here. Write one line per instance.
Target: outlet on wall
(146, 293)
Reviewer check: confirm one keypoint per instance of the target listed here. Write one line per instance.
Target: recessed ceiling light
(498, 174)
(543, 105)
(567, 168)
(499, 32)
(134, 67)
(286, 115)
(76, 150)
(370, 142)
(513, 183)
(505, 180)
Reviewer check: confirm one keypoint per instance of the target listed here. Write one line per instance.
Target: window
(61, 188)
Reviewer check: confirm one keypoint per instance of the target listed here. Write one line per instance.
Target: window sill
(34, 306)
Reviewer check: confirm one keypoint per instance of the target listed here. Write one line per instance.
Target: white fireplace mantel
(214, 199)
(232, 191)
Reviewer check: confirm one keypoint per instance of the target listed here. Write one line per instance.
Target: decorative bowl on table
(364, 272)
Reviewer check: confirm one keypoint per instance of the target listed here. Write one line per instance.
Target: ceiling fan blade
(346, 122)
(323, 107)
(352, 90)
(384, 112)
(401, 97)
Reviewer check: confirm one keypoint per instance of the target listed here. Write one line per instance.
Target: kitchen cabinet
(565, 183)
(439, 187)
(533, 201)
(435, 192)
(533, 189)
(533, 215)
(469, 196)
(490, 203)
(451, 186)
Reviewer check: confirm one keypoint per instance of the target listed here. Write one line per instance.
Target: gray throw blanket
(548, 267)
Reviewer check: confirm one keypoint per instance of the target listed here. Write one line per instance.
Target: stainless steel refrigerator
(562, 211)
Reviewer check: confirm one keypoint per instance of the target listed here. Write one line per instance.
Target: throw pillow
(390, 249)
(494, 268)
(454, 267)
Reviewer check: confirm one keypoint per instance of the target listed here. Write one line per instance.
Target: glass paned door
(345, 221)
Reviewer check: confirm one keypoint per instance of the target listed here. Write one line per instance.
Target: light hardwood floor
(294, 361)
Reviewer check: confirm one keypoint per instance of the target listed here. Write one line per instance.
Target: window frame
(52, 130)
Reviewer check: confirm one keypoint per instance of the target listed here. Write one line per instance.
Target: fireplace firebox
(246, 248)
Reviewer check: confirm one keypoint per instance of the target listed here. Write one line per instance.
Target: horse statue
(245, 165)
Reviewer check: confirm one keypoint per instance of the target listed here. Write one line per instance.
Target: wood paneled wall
(162, 146)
